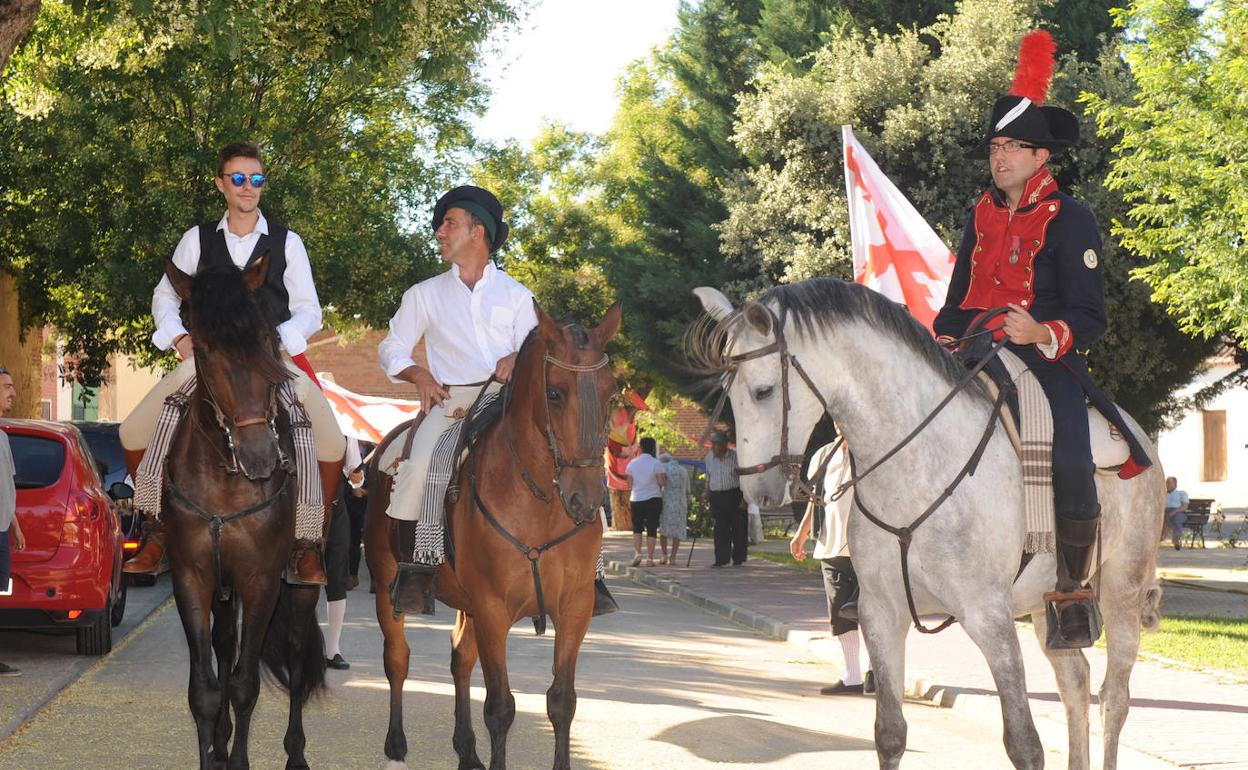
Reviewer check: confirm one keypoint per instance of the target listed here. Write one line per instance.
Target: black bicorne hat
(1021, 114)
(478, 201)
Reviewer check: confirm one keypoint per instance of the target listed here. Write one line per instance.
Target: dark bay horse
(231, 469)
(553, 427)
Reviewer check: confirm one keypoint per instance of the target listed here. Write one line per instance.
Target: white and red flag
(896, 252)
(367, 418)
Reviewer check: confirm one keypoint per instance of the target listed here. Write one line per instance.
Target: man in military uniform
(1032, 248)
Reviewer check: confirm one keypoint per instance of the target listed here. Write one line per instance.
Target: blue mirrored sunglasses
(238, 178)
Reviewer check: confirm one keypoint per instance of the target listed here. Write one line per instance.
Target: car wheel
(119, 606)
(97, 638)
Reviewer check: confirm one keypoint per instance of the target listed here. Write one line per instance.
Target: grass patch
(810, 564)
(1205, 642)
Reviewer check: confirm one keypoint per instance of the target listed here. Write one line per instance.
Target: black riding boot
(1074, 619)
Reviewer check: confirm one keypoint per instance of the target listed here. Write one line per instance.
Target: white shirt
(644, 471)
(305, 308)
(721, 474)
(466, 331)
(833, 537)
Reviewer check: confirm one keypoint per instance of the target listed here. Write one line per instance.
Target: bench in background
(1198, 509)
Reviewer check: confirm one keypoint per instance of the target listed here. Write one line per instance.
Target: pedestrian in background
(723, 494)
(357, 507)
(1177, 502)
(645, 474)
(674, 521)
(829, 524)
(10, 527)
(337, 545)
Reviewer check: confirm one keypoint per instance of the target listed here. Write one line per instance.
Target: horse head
(564, 381)
(236, 360)
(773, 409)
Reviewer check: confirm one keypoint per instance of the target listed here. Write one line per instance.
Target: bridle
(595, 432)
(790, 464)
(229, 424)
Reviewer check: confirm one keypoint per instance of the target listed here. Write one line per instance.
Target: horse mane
(226, 315)
(821, 302)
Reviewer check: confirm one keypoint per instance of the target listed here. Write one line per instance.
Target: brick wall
(355, 365)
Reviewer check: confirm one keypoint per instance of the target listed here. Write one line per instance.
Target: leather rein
(534, 553)
(791, 464)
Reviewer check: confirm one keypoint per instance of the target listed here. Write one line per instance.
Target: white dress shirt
(466, 331)
(305, 308)
(833, 537)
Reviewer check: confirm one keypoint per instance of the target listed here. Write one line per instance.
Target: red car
(69, 575)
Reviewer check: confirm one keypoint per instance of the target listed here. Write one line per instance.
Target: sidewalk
(1185, 717)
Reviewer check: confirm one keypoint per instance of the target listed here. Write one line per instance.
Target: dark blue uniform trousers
(1074, 487)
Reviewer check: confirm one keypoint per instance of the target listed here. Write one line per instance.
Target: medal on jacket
(1014, 250)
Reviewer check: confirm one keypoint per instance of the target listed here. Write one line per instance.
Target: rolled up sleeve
(407, 326)
(166, 304)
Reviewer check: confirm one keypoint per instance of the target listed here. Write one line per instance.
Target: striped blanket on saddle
(1035, 449)
(309, 507)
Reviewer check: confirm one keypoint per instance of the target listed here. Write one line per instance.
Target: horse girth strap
(532, 553)
(905, 534)
(216, 522)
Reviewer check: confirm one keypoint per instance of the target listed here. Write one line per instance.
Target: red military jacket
(1045, 257)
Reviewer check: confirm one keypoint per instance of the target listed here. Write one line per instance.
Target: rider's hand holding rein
(1022, 329)
(428, 390)
(504, 367)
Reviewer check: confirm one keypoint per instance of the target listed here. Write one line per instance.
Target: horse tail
(294, 627)
(1150, 613)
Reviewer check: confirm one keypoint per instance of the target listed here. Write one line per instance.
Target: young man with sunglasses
(288, 297)
(1032, 248)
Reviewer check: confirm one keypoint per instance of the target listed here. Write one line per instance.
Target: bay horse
(825, 345)
(517, 545)
(228, 505)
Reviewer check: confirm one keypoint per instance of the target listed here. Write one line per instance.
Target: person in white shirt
(1177, 502)
(288, 298)
(647, 479)
(830, 527)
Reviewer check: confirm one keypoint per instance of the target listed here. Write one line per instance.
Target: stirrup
(412, 589)
(1073, 619)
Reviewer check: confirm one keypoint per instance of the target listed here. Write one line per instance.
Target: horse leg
(884, 626)
(492, 625)
(570, 630)
(463, 659)
(1073, 685)
(304, 641)
(1123, 605)
(225, 643)
(258, 604)
(396, 658)
(991, 627)
(194, 599)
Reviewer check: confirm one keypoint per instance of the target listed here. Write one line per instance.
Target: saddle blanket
(1035, 451)
(309, 507)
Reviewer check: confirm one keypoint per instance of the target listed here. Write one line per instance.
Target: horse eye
(763, 393)
(552, 394)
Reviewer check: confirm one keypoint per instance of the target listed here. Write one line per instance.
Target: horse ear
(255, 272)
(758, 317)
(610, 325)
(714, 302)
(548, 327)
(180, 281)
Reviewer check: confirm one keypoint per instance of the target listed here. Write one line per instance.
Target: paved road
(662, 685)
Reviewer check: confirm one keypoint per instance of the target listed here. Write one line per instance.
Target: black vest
(272, 295)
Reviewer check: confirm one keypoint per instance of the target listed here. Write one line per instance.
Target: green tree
(1180, 160)
(917, 108)
(111, 122)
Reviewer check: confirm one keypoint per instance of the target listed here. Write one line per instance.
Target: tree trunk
(621, 511)
(16, 16)
(21, 357)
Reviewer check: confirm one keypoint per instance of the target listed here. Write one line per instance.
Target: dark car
(105, 444)
(69, 574)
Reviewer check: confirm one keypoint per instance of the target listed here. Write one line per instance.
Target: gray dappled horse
(880, 374)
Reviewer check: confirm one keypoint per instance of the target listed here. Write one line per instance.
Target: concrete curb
(974, 703)
(74, 673)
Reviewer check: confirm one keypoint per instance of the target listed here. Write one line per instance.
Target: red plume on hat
(1037, 58)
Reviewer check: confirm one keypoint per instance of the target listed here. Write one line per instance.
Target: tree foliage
(917, 107)
(112, 118)
(1180, 160)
